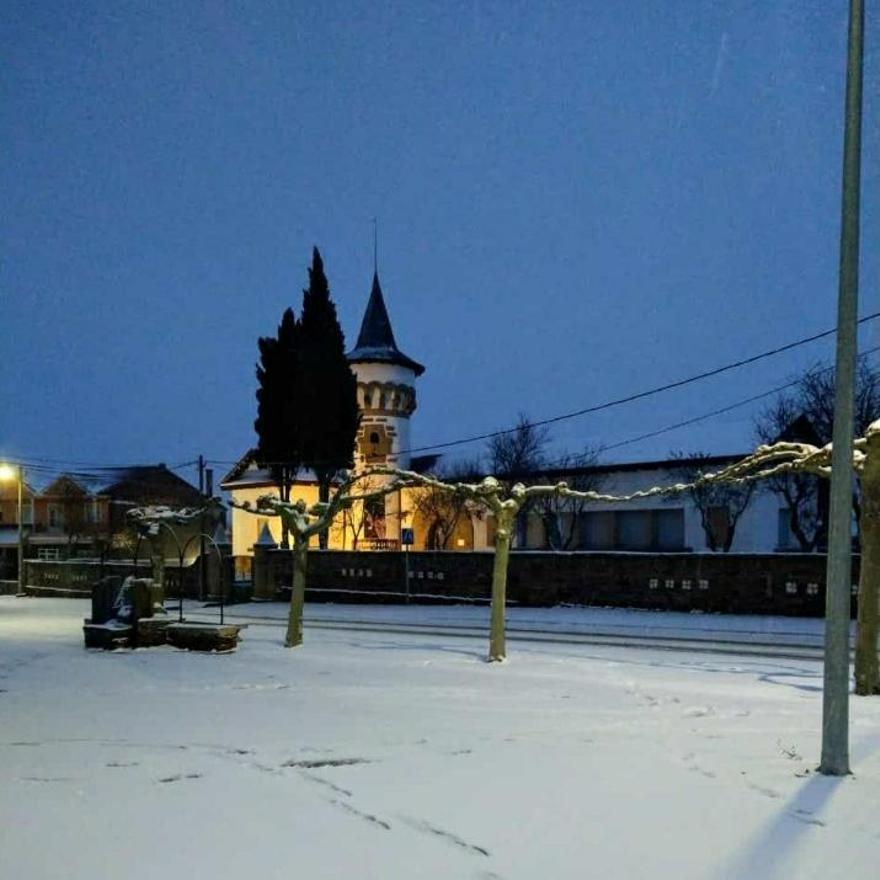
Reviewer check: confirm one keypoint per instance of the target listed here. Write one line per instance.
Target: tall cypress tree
(329, 411)
(279, 422)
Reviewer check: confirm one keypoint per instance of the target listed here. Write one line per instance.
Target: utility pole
(838, 577)
(203, 569)
(20, 518)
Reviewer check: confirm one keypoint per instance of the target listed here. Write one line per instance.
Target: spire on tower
(375, 342)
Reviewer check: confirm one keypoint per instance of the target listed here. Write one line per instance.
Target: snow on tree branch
(305, 520)
(150, 518)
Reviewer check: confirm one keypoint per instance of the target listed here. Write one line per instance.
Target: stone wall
(78, 575)
(8, 587)
(791, 584)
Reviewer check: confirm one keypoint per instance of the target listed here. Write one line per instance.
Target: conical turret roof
(375, 342)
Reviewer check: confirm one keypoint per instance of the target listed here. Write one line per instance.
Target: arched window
(374, 518)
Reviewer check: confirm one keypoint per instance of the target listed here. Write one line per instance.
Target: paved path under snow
(753, 634)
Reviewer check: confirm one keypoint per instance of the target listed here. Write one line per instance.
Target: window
(660, 529)
(374, 518)
(535, 534)
(669, 525)
(718, 519)
(48, 553)
(56, 517)
(491, 528)
(634, 530)
(784, 535)
(597, 530)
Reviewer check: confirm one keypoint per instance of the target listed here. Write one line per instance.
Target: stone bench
(203, 636)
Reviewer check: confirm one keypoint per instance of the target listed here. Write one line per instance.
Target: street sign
(407, 537)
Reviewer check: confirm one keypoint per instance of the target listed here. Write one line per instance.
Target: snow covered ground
(390, 755)
(624, 622)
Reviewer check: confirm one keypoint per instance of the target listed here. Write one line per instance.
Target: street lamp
(7, 472)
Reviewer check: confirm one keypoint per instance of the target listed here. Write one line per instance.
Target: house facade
(386, 393)
(74, 514)
(661, 524)
(386, 388)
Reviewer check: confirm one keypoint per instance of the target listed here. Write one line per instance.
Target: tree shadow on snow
(779, 678)
(421, 646)
(766, 855)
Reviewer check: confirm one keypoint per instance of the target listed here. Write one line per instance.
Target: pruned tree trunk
(298, 594)
(867, 670)
(157, 564)
(497, 647)
(324, 496)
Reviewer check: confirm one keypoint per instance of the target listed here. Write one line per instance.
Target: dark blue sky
(575, 200)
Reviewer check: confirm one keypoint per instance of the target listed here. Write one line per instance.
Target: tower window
(374, 438)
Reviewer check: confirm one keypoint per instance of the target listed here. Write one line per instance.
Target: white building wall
(756, 530)
(397, 375)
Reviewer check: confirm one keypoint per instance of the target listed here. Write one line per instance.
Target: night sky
(575, 201)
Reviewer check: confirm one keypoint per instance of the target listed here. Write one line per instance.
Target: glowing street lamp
(8, 473)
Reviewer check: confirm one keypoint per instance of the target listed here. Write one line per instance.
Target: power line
(722, 410)
(93, 470)
(35, 461)
(640, 395)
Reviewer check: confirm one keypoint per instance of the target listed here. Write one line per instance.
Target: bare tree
(769, 461)
(515, 456)
(354, 522)
(561, 515)
(443, 511)
(303, 522)
(520, 451)
(75, 511)
(521, 455)
(720, 504)
(505, 504)
(806, 414)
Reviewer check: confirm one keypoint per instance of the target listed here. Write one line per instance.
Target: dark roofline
(375, 342)
(239, 467)
(376, 356)
(629, 466)
(143, 474)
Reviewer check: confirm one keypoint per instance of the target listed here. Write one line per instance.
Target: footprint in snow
(177, 777)
(698, 711)
(767, 792)
(454, 839)
(328, 762)
(806, 817)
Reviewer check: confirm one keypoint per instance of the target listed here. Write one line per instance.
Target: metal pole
(838, 578)
(180, 589)
(203, 574)
(20, 517)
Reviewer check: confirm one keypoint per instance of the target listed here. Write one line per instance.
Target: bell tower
(386, 389)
